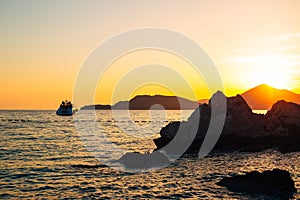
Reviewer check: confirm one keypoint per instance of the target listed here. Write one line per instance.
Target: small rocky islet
(270, 182)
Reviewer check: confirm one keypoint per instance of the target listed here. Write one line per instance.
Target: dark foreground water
(42, 156)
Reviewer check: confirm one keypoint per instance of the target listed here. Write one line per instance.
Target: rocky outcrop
(268, 182)
(242, 131)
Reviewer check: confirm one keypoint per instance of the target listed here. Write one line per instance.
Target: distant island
(96, 107)
(264, 96)
(261, 97)
(146, 102)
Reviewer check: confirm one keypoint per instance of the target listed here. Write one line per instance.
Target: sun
(272, 69)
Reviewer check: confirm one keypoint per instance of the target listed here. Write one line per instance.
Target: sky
(44, 44)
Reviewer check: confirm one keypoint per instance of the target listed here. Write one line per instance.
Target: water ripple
(42, 156)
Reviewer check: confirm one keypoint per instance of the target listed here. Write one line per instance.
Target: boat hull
(64, 112)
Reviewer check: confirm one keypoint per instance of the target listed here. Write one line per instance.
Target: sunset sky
(43, 45)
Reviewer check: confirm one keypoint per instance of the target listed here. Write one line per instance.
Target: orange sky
(44, 43)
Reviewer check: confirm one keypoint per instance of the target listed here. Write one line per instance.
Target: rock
(242, 131)
(140, 161)
(268, 182)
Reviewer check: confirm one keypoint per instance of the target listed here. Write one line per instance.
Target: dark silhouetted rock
(140, 161)
(268, 182)
(242, 131)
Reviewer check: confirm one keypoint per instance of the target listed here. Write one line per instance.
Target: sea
(45, 156)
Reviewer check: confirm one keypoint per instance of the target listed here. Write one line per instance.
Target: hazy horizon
(280, 89)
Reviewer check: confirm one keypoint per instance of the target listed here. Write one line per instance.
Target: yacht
(65, 109)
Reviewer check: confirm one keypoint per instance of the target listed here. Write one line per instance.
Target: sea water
(260, 111)
(43, 156)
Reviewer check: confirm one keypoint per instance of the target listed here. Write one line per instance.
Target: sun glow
(272, 70)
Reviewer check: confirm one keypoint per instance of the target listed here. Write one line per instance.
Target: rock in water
(268, 182)
(138, 161)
